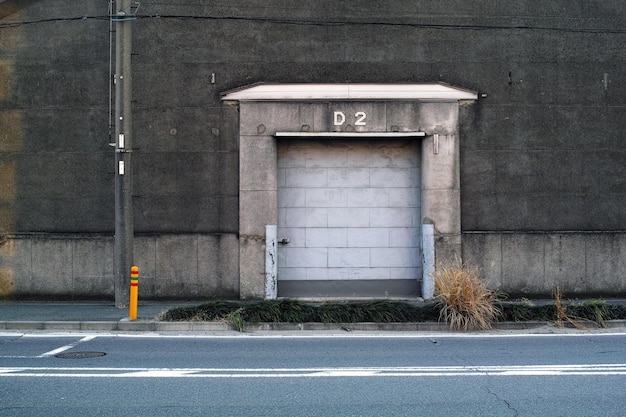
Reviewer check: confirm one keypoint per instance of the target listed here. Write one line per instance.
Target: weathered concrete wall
(182, 266)
(260, 121)
(531, 264)
(544, 151)
(57, 167)
(54, 156)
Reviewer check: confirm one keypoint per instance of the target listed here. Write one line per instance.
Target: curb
(114, 326)
(125, 325)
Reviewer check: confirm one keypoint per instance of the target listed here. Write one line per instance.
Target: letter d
(339, 118)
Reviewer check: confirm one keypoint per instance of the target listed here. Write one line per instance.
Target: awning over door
(380, 91)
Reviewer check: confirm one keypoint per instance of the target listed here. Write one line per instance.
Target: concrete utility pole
(124, 229)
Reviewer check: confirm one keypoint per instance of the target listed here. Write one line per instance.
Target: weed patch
(238, 314)
(593, 311)
(466, 302)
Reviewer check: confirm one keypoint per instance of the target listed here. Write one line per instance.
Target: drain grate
(79, 355)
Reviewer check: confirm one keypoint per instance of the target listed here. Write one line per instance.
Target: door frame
(269, 111)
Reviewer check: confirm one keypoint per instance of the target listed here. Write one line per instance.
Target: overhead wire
(308, 22)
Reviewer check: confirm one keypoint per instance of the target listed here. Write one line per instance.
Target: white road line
(18, 357)
(304, 334)
(339, 372)
(66, 347)
(369, 335)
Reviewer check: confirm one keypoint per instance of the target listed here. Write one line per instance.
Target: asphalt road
(318, 375)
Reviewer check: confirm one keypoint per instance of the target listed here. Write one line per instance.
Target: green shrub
(236, 319)
(596, 310)
(469, 305)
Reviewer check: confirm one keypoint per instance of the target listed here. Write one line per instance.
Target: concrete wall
(183, 266)
(57, 167)
(531, 264)
(260, 121)
(542, 151)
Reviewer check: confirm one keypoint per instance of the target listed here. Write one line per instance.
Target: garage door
(349, 217)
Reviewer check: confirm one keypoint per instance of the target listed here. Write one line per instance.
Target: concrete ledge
(138, 325)
(98, 326)
(113, 326)
(61, 325)
(22, 325)
(198, 326)
(424, 326)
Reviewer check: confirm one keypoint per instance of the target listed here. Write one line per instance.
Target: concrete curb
(114, 326)
(125, 325)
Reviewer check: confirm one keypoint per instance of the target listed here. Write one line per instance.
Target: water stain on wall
(11, 140)
(6, 282)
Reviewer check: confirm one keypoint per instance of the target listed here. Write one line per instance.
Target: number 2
(360, 118)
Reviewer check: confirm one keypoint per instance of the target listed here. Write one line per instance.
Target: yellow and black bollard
(134, 292)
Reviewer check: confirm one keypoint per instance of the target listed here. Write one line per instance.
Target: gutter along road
(364, 374)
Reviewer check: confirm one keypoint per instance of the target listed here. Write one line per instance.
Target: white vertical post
(428, 261)
(271, 264)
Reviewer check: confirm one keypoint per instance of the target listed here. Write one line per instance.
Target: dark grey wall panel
(544, 150)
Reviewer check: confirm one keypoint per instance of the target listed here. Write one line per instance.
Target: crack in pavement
(502, 400)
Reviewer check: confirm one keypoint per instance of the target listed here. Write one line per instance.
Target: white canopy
(308, 92)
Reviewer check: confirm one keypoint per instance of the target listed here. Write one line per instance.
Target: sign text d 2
(339, 118)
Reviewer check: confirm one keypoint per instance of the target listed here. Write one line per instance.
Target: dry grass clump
(561, 311)
(466, 302)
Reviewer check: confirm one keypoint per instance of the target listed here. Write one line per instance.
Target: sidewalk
(105, 317)
(93, 316)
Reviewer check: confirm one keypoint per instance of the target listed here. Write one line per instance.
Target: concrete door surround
(428, 112)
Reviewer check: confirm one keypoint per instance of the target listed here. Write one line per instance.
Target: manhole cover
(79, 355)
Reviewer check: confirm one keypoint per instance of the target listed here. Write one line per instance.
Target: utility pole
(124, 229)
